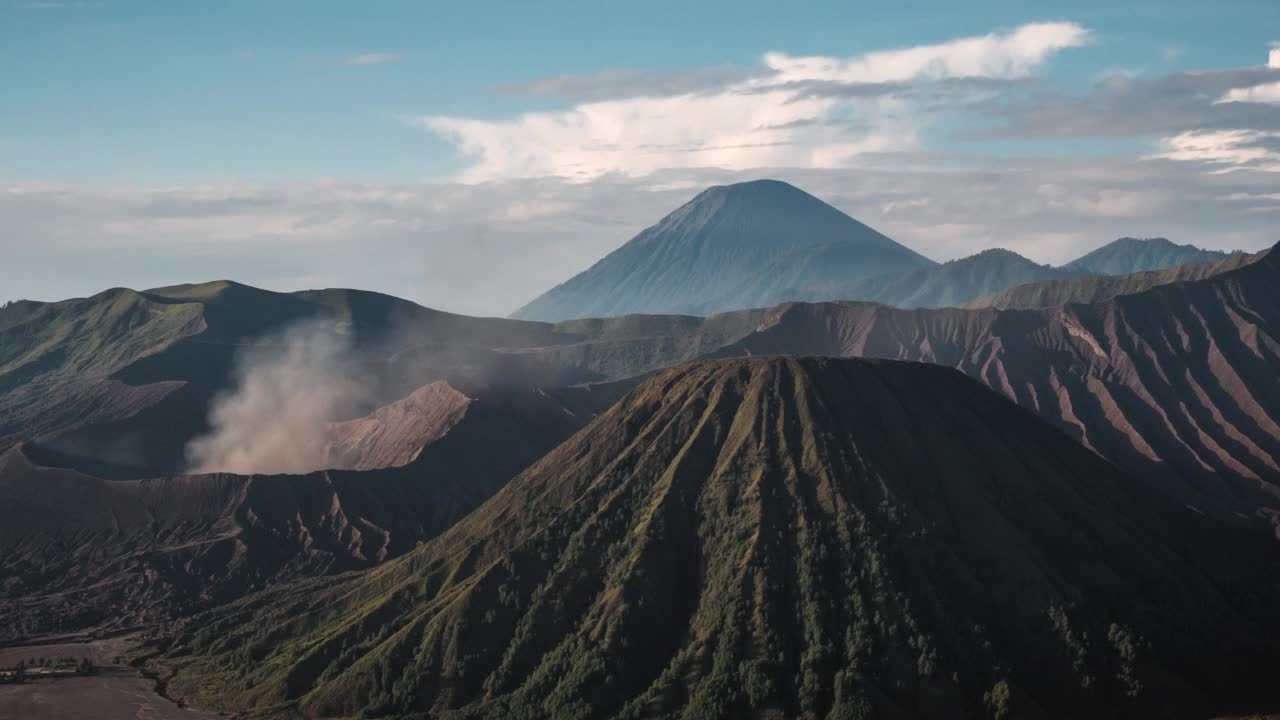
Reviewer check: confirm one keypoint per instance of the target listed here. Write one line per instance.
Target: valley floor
(115, 692)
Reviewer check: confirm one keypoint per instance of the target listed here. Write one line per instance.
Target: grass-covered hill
(777, 538)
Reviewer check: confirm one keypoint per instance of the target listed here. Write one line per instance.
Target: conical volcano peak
(768, 212)
(705, 256)
(768, 191)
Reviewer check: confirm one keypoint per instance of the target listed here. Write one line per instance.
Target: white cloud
(371, 58)
(1009, 54)
(769, 120)
(1224, 149)
(1268, 93)
(488, 248)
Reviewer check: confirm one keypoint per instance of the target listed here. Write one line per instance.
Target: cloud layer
(489, 248)
(901, 139)
(795, 111)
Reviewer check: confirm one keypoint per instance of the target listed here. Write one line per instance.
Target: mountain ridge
(948, 284)
(1130, 255)
(1172, 383)
(1097, 288)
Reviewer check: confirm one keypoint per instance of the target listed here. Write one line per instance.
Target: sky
(468, 156)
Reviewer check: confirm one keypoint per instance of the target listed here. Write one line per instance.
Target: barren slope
(1177, 383)
(394, 434)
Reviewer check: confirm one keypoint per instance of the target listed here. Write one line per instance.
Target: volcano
(778, 538)
(728, 248)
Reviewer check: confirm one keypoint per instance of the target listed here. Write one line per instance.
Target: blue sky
(186, 91)
(186, 137)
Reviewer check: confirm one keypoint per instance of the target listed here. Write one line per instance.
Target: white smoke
(275, 418)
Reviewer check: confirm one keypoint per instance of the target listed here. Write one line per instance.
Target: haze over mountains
(762, 243)
(567, 520)
(712, 253)
(1096, 288)
(949, 284)
(1131, 255)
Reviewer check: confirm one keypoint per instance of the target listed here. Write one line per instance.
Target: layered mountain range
(376, 507)
(730, 247)
(763, 243)
(1132, 255)
(84, 553)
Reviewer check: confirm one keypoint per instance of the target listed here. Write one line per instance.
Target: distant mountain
(946, 285)
(725, 250)
(778, 538)
(1132, 255)
(1096, 288)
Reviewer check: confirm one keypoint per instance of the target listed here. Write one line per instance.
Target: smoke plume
(275, 418)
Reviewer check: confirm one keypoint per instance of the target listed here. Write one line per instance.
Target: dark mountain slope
(78, 552)
(56, 359)
(118, 384)
(1177, 383)
(949, 284)
(779, 538)
(1096, 288)
(704, 257)
(1131, 255)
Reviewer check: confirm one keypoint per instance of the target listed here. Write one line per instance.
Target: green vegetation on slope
(811, 538)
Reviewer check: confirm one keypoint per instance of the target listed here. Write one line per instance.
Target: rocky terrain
(1175, 383)
(83, 553)
(393, 435)
(778, 537)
